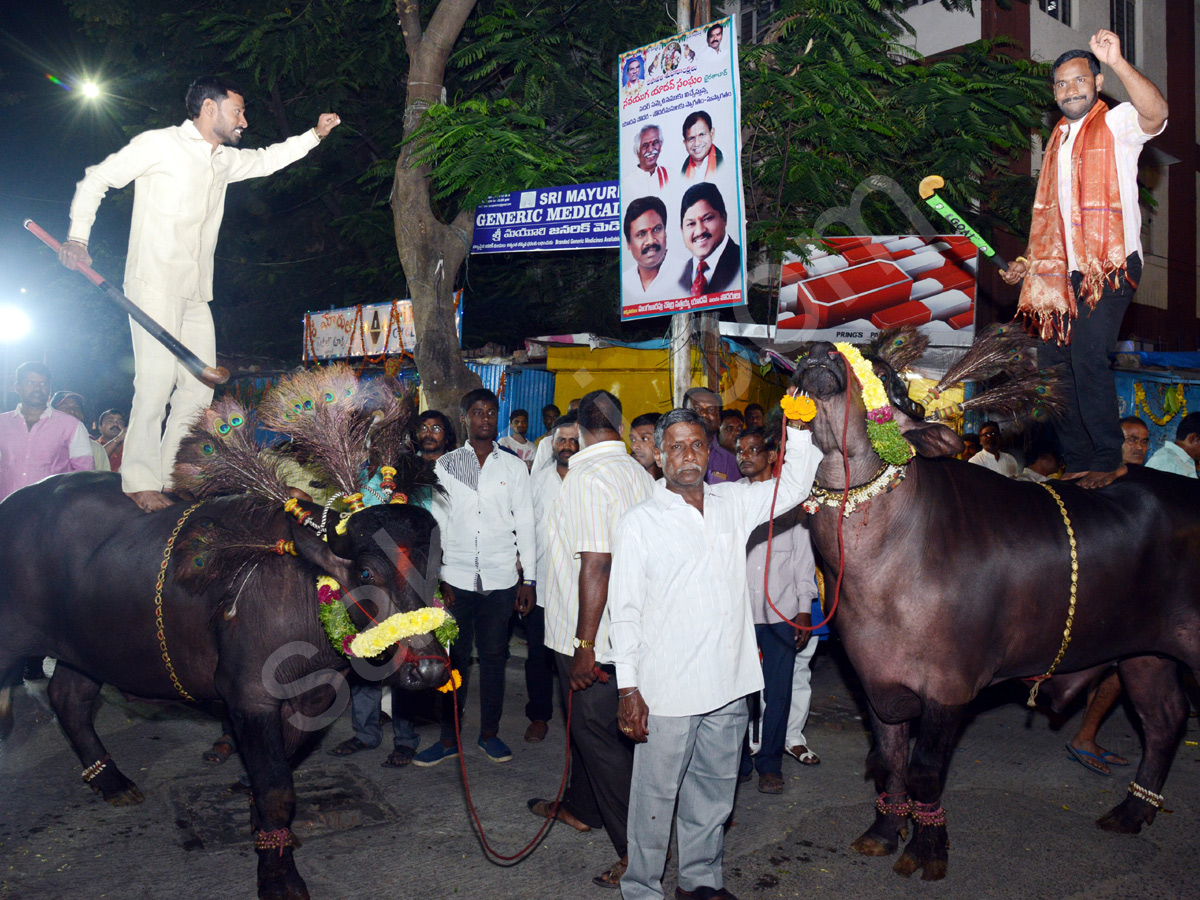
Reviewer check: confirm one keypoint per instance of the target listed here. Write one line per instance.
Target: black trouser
(482, 618)
(539, 668)
(601, 757)
(1089, 434)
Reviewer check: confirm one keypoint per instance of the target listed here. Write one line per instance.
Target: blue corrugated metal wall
(528, 389)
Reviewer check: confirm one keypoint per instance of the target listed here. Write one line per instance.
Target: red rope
(837, 588)
(521, 854)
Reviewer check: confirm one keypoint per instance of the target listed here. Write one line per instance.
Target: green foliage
(835, 97)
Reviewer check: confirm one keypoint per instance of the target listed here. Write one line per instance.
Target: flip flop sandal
(349, 747)
(221, 750)
(1113, 759)
(612, 877)
(398, 759)
(1082, 757)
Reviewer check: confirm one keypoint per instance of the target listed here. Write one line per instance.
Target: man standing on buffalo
(682, 643)
(1085, 244)
(485, 517)
(180, 176)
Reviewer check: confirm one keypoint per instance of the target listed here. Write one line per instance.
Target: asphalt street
(1021, 814)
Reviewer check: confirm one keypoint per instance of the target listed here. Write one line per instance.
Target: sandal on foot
(803, 755)
(612, 877)
(349, 747)
(1082, 757)
(1113, 759)
(542, 809)
(221, 750)
(398, 758)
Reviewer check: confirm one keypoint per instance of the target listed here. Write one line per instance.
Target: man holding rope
(683, 646)
(180, 176)
(1085, 245)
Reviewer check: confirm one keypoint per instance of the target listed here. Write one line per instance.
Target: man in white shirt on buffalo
(683, 647)
(180, 175)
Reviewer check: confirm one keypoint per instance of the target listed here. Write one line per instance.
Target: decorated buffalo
(218, 603)
(956, 578)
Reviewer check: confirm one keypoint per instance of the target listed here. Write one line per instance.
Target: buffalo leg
(73, 697)
(887, 762)
(1152, 684)
(926, 777)
(260, 737)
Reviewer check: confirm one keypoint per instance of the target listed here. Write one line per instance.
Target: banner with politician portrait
(683, 233)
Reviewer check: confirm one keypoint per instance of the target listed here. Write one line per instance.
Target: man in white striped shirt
(682, 642)
(603, 481)
(485, 515)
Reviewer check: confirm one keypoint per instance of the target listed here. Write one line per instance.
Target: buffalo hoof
(1127, 817)
(281, 885)
(869, 844)
(927, 851)
(115, 788)
(131, 796)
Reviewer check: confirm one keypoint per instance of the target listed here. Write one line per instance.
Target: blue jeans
(778, 646)
(365, 697)
(482, 618)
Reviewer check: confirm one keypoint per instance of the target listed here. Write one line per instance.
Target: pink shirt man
(57, 443)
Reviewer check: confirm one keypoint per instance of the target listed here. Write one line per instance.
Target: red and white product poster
(866, 284)
(683, 234)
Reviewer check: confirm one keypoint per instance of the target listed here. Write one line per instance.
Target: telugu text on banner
(575, 217)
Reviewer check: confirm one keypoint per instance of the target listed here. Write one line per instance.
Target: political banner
(859, 286)
(575, 217)
(374, 329)
(683, 232)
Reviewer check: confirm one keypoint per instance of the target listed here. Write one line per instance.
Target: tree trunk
(430, 250)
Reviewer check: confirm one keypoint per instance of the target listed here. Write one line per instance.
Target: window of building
(756, 17)
(1057, 9)
(1122, 19)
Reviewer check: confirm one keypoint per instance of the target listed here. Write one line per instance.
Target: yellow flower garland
(1139, 395)
(873, 394)
(375, 640)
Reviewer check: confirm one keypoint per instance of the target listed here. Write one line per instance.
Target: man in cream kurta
(180, 175)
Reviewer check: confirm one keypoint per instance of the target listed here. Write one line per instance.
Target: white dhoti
(160, 379)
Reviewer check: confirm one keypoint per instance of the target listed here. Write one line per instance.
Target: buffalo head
(381, 558)
(823, 375)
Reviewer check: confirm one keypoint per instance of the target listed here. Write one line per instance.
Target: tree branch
(409, 14)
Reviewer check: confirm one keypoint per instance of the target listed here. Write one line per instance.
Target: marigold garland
(348, 640)
(453, 683)
(800, 407)
(882, 429)
(1179, 402)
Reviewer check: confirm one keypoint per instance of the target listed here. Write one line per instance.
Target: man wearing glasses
(648, 145)
(435, 435)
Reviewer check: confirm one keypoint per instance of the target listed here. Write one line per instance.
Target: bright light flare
(14, 324)
(90, 89)
(53, 80)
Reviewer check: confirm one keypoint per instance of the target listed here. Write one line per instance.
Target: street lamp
(93, 91)
(14, 326)
(90, 89)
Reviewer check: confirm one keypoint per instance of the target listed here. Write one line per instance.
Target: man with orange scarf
(1085, 245)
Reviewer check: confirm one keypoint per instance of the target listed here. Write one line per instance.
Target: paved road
(1021, 816)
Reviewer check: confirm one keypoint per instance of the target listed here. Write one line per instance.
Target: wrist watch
(578, 644)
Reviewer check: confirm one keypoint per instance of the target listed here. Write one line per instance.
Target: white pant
(158, 379)
(801, 694)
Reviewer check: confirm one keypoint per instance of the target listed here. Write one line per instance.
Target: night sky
(50, 135)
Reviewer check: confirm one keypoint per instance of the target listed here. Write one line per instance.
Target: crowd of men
(567, 540)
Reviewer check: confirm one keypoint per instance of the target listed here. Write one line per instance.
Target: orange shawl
(1097, 230)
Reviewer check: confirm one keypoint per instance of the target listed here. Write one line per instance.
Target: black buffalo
(80, 563)
(958, 578)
